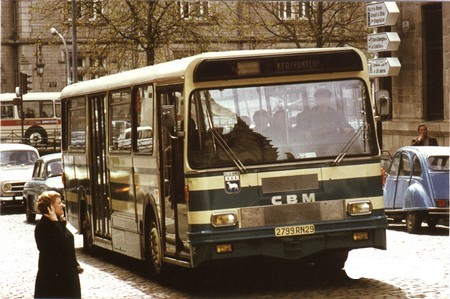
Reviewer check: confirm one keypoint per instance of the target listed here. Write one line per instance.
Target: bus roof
(31, 96)
(173, 69)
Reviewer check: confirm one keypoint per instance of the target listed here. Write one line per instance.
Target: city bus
(41, 124)
(224, 155)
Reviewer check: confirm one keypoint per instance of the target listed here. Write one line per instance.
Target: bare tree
(309, 24)
(133, 32)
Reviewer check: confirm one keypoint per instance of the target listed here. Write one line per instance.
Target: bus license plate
(296, 230)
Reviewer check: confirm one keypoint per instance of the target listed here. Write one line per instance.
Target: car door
(37, 180)
(391, 182)
(397, 181)
(403, 180)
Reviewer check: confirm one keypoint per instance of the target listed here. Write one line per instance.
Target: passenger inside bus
(322, 120)
(261, 119)
(279, 126)
(30, 113)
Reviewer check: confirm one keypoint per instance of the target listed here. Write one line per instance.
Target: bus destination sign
(296, 64)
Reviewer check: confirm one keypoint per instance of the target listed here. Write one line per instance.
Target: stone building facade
(420, 93)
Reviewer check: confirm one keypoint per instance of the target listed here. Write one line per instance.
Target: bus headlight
(362, 207)
(6, 187)
(223, 219)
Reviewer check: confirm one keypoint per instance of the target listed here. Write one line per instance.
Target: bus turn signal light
(360, 236)
(224, 248)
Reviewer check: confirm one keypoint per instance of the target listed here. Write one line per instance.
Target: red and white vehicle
(41, 123)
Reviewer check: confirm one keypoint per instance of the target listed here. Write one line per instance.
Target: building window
(196, 10)
(290, 10)
(433, 56)
(93, 8)
(88, 9)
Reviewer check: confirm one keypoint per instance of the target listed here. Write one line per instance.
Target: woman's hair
(45, 200)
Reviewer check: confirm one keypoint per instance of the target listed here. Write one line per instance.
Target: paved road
(413, 266)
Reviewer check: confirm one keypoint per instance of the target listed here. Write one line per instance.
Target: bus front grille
(291, 214)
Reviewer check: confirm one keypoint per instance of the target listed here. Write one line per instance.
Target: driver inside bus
(322, 119)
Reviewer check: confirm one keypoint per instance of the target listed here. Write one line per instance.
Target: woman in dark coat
(58, 271)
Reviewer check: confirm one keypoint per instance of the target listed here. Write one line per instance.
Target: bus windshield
(279, 123)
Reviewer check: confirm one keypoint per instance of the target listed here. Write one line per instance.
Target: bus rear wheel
(153, 251)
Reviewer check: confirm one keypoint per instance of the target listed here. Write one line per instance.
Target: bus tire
(153, 250)
(331, 261)
(35, 136)
(413, 222)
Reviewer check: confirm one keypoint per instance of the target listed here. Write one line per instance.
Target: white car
(16, 167)
(46, 176)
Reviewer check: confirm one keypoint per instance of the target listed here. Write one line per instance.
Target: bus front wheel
(36, 136)
(153, 252)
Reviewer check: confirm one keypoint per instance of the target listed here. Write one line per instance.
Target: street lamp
(40, 64)
(53, 31)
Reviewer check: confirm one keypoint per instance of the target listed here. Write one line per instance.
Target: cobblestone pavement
(413, 266)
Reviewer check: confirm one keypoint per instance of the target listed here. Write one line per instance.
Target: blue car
(417, 186)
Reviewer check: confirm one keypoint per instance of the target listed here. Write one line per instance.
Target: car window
(438, 162)
(405, 166)
(394, 166)
(37, 169)
(417, 168)
(18, 157)
(54, 168)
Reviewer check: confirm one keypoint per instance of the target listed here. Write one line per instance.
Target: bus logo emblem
(232, 182)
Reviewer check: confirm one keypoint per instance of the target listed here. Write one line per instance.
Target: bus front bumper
(263, 242)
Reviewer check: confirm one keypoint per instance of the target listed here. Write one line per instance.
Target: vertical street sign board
(381, 42)
(382, 14)
(384, 67)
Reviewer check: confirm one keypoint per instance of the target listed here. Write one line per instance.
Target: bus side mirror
(382, 103)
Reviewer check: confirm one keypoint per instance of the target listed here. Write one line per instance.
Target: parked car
(46, 176)
(417, 186)
(16, 166)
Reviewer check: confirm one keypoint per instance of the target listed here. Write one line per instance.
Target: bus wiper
(230, 153)
(347, 146)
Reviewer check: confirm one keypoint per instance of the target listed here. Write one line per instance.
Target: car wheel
(31, 217)
(413, 222)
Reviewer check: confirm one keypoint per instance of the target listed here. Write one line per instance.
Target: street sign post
(382, 14)
(384, 67)
(381, 42)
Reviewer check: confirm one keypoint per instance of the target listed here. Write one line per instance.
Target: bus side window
(7, 110)
(143, 127)
(120, 113)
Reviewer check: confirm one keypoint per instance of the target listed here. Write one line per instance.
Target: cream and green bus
(227, 155)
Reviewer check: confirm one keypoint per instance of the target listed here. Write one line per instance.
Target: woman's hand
(51, 213)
